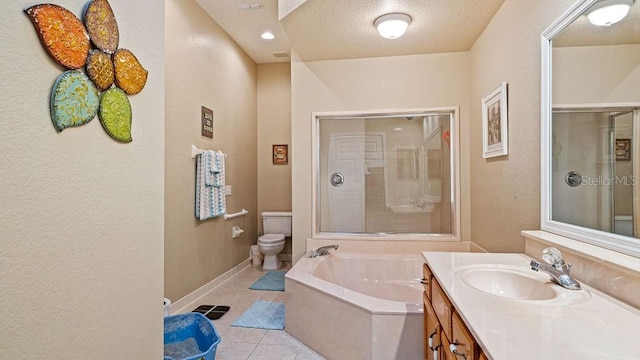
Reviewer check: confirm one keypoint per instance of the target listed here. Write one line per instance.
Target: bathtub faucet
(558, 269)
(323, 250)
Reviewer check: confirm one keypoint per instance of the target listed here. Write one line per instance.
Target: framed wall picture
(280, 154)
(494, 123)
(207, 122)
(623, 149)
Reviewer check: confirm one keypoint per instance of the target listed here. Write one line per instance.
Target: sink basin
(509, 282)
(517, 283)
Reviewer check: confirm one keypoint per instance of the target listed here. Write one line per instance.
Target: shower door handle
(336, 179)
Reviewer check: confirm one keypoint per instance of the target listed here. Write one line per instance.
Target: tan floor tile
(234, 351)
(247, 335)
(307, 354)
(274, 352)
(246, 343)
(279, 337)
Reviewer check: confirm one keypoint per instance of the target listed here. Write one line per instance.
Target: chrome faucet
(558, 269)
(323, 250)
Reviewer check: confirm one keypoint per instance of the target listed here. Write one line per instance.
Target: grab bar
(240, 213)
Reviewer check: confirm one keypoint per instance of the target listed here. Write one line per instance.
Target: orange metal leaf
(102, 26)
(130, 75)
(62, 34)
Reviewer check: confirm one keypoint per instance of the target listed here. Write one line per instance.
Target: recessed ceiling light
(245, 6)
(268, 35)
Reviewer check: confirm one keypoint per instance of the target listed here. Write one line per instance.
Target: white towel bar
(195, 152)
(241, 213)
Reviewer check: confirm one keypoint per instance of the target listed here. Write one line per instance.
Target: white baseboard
(186, 302)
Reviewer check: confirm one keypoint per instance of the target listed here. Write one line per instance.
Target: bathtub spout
(323, 250)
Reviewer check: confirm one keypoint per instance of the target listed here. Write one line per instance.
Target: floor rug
(262, 315)
(272, 281)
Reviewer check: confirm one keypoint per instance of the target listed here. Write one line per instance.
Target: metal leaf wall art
(111, 73)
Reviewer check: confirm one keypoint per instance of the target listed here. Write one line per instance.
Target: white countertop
(583, 324)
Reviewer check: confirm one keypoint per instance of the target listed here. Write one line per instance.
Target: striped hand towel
(210, 182)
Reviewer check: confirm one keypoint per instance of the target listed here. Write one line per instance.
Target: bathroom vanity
(493, 306)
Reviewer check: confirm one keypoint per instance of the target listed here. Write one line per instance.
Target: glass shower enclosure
(385, 174)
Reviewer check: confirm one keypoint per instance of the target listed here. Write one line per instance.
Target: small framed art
(280, 154)
(494, 123)
(623, 149)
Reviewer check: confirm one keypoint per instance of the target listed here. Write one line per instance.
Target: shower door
(345, 186)
(350, 158)
(593, 182)
(582, 169)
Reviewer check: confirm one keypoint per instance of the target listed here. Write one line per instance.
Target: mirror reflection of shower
(395, 173)
(598, 145)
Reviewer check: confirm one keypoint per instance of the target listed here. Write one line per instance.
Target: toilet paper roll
(167, 307)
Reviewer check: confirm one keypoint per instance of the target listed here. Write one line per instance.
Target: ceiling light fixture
(268, 35)
(608, 12)
(392, 26)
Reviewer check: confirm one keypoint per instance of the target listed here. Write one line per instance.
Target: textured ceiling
(342, 29)
(582, 33)
(245, 27)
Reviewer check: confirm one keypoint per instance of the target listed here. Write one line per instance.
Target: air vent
(244, 6)
(280, 54)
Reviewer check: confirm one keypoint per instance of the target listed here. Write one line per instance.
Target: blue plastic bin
(189, 336)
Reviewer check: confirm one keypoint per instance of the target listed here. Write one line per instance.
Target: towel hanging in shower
(210, 185)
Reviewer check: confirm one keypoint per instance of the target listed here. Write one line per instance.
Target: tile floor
(245, 343)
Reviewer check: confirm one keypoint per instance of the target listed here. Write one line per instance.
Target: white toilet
(276, 226)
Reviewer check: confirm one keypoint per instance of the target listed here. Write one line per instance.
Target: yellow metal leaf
(130, 75)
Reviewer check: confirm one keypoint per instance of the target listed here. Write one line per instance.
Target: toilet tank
(276, 222)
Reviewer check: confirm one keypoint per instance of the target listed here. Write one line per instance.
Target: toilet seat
(271, 238)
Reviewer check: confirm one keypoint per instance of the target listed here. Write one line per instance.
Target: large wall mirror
(591, 127)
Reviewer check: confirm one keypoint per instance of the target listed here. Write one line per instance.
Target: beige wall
(274, 128)
(81, 215)
(370, 84)
(505, 191)
(205, 67)
(577, 69)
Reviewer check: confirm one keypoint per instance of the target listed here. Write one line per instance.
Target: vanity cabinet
(432, 329)
(443, 326)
